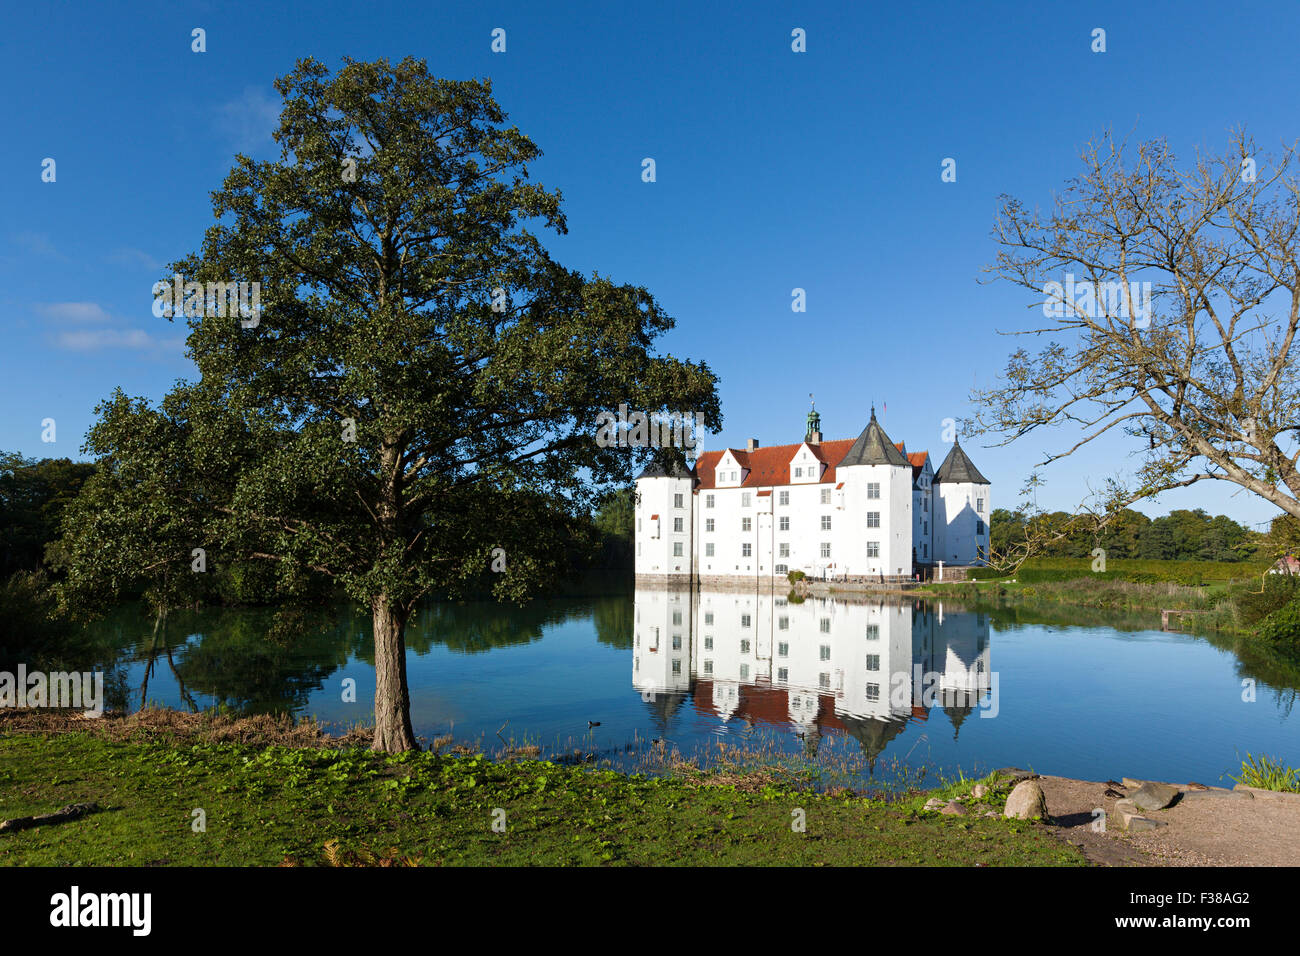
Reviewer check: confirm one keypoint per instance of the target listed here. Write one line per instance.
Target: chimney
(751, 444)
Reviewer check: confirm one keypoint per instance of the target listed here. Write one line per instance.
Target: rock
(1126, 806)
(1142, 824)
(992, 813)
(1010, 776)
(934, 804)
(979, 791)
(1199, 796)
(1197, 786)
(1026, 802)
(1272, 795)
(1154, 796)
(954, 809)
(1131, 784)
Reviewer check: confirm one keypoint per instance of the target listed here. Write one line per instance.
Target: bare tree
(1172, 301)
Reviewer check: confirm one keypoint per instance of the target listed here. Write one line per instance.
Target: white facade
(758, 656)
(855, 509)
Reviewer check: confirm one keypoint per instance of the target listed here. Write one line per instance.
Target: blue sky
(775, 170)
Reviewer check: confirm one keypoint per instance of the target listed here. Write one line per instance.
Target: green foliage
(1254, 606)
(1267, 773)
(795, 576)
(474, 460)
(1282, 627)
(1181, 535)
(33, 495)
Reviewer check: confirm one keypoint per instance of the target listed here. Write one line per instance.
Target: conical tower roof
(957, 467)
(873, 447)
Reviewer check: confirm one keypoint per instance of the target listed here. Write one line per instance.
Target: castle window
(783, 623)
(677, 665)
(677, 549)
(798, 472)
(745, 500)
(744, 647)
(826, 522)
(925, 504)
(677, 501)
(873, 662)
(873, 489)
(824, 681)
(708, 524)
(825, 625)
(979, 527)
(677, 617)
(746, 524)
(782, 649)
(677, 642)
(826, 549)
(708, 643)
(783, 498)
(744, 620)
(677, 525)
(746, 550)
(782, 569)
(873, 692)
(826, 496)
(708, 617)
(873, 549)
(744, 672)
(708, 667)
(708, 501)
(873, 519)
(873, 632)
(785, 523)
(784, 549)
(824, 652)
(783, 674)
(708, 550)
(979, 505)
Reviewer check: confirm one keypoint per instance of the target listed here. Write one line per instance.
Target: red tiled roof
(771, 466)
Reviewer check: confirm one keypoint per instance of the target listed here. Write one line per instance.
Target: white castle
(857, 510)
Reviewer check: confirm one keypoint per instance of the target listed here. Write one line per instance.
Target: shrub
(1283, 625)
(1268, 774)
(796, 576)
(1253, 606)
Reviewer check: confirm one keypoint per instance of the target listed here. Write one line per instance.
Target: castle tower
(961, 511)
(877, 490)
(664, 528)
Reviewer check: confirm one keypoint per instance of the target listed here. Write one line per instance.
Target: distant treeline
(34, 494)
(1178, 536)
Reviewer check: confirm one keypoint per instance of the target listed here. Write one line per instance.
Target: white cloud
(135, 257)
(249, 121)
(96, 340)
(72, 311)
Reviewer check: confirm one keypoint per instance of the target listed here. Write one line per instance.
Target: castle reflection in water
(862, 666)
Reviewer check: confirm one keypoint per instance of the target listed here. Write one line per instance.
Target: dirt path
(1211, 827)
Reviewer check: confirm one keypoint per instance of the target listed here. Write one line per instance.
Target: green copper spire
(814, 421)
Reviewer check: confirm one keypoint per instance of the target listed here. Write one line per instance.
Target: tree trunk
(393, 733)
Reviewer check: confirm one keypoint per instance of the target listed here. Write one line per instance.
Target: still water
(912, 685)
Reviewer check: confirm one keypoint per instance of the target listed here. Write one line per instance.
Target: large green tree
(420, 388)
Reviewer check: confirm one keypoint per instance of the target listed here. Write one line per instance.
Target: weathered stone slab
(1154, 796)
(954, 809)
(1274, 795)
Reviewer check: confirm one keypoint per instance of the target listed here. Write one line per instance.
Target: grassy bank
(310, 800)
(1226, 598)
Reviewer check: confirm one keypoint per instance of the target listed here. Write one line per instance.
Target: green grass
(1267, 773)
(266, 804)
